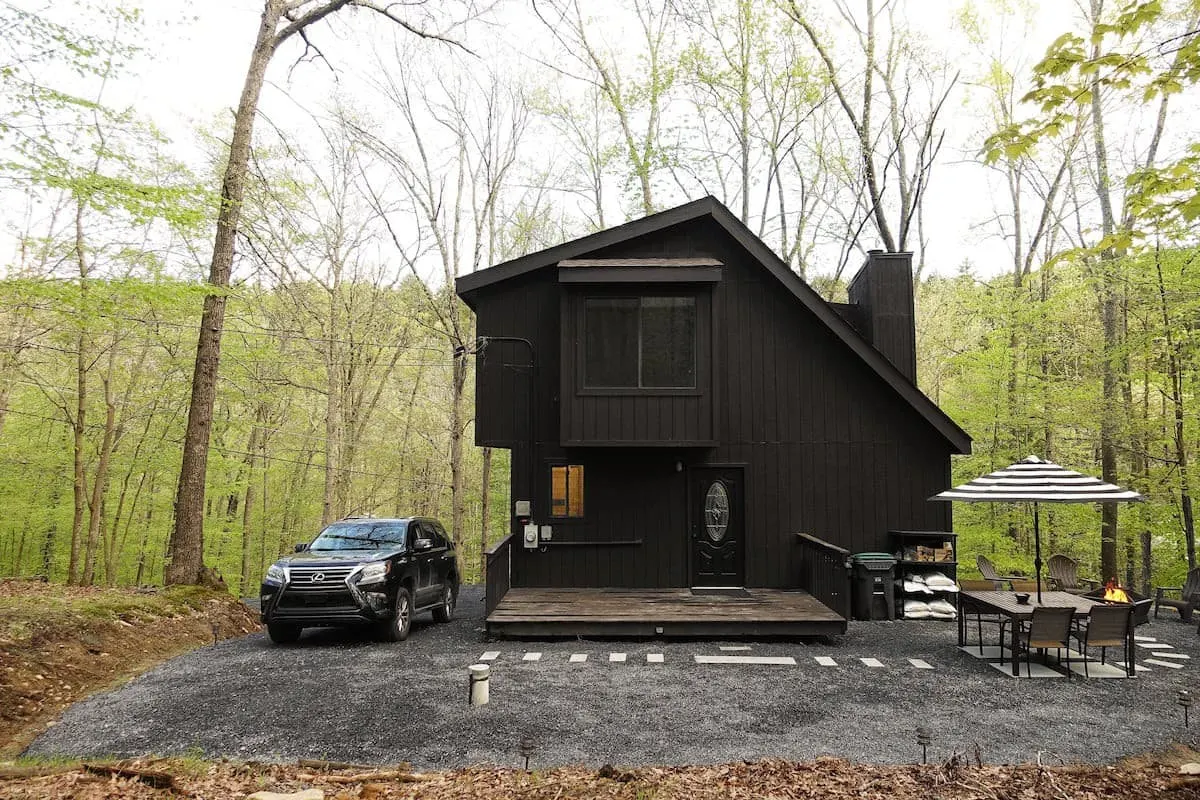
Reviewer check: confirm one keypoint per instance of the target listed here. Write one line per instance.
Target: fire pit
(1109, 593)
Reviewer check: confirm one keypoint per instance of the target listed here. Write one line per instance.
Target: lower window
(566, 490)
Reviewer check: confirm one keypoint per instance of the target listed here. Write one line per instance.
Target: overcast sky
(193, 73)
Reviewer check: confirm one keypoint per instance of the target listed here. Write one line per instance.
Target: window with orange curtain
(566, 490)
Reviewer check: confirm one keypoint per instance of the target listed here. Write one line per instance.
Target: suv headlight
(374, 572)
(276, 574)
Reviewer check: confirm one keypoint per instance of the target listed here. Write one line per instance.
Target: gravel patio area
(338, 695)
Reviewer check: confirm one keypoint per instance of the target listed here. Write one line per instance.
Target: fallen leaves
(823, 779)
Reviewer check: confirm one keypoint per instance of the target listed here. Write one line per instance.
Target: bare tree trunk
(100, 485)
(485, 509)
(141, 564)
(51, 534)
(1110, 413)
(1179, 437)
(187, 538)
(248, 502)
(457, 426)
(79, 422)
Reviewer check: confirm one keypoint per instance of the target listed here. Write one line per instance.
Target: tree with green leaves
(282, 21)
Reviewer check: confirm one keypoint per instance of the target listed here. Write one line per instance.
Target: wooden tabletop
(1006, 602)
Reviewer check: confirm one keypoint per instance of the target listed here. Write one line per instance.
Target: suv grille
(318, 579)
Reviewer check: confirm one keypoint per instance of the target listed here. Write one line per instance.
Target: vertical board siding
(828, 448)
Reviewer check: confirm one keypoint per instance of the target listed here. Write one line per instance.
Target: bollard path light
(478, 684)
(924, 739)
(525, 748)
(1184, 699)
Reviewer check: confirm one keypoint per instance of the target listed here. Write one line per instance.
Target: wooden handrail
(822, 543)
(498, 546)
(825, 572)
(498, 576)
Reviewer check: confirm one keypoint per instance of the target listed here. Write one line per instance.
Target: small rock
(307, 794)
(1190, 769)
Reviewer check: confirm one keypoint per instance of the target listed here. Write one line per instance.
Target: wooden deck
(661, 613)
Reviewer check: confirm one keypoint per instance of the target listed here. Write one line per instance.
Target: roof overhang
(467, 285)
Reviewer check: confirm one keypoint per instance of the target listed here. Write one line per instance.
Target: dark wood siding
(663, 418)
(828, 447)
(528, 308)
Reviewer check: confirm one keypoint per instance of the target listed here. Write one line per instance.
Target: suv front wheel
(282, 633)
(445, 611)
(396, 629)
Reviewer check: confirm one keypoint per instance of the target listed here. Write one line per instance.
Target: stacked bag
(929, 583)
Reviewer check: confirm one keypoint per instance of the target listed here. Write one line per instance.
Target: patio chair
(1189, 595)
(1049, 629)
(1107, 626)
(988, 571)
(1064, 571)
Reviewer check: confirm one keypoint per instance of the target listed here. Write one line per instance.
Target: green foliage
(1020, 370)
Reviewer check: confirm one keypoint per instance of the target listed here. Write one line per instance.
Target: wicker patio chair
(988, 571)
(1064, 571)
(1189, 596)
(1107, 626)
(1049, 629)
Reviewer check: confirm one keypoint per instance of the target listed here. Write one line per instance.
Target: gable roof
(466, 285)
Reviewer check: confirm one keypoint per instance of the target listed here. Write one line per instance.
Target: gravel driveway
(340, 696)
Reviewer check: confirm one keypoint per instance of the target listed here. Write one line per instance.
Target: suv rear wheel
(282, 633)
(396, 629)
(445, 611)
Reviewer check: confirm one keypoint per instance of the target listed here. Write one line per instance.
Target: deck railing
(825, 572)
(498, 579)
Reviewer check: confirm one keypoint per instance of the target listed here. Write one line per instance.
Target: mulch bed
(826, 779)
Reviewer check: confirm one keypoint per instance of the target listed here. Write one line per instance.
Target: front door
(718, 534)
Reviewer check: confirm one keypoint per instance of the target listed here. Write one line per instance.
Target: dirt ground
(1155, 778)
(59, 644)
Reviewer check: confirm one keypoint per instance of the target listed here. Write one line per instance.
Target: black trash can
(873, 594)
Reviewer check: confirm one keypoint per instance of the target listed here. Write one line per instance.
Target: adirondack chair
(1189, 596)
(988, 570)
(1064, 571)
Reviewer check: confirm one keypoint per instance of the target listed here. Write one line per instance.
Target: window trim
(702, 300)
(550, 467)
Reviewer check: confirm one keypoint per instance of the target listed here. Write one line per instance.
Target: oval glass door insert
(716, 511)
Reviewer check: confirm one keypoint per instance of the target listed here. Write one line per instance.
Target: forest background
(1042, 168)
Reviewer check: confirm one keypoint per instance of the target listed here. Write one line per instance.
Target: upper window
(640, 342)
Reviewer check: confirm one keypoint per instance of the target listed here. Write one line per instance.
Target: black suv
(360, 571)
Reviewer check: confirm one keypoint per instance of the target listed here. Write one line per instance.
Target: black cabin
(689, 419)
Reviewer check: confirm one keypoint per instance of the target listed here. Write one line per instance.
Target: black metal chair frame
(1084, 634)
(1025, 637)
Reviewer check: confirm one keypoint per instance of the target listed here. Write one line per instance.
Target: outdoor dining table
(1005, 604)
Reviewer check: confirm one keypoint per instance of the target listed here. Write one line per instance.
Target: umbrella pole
(1037, 552)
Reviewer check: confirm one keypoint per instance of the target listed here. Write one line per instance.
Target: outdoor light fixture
(924, 739)
(525, 748)
(1185, 699)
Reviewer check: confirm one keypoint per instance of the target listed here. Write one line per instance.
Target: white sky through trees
(196, 56)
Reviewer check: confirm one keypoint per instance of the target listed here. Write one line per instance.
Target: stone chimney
(883, 293)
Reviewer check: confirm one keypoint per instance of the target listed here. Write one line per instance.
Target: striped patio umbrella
(1034, 480)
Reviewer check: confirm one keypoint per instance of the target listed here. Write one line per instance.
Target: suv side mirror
(300, 548)
(421, 545)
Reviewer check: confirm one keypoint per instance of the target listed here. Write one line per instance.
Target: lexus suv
(363, 571)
